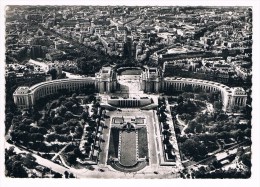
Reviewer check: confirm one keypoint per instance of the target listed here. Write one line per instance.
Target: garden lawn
(142, 143)
(113, 143)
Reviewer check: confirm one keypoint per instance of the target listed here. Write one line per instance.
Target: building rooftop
(238, 91)
(22, 90)
(105, 73)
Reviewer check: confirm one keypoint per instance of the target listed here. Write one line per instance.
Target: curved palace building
(105, 81)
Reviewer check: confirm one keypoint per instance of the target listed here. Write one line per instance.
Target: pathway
(57, 154)
(173, 139)
(182, 123)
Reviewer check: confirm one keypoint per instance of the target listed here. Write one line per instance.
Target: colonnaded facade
(151, 80)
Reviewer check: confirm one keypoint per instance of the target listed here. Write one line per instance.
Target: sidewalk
(173, 139)
(182, 123)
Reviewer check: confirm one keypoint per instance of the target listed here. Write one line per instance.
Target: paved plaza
(130, 84)
(148, 115)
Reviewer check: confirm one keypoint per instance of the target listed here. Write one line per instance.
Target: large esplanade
(108, 82)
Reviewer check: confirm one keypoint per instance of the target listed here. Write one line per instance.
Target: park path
(57, 154)
(173, 138)
(182, 123)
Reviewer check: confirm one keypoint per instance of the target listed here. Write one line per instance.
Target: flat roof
(61, 81)
(22, 90)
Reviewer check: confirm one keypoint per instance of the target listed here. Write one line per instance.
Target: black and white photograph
(138, 91)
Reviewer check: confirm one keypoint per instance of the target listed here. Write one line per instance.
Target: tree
(246, 159)
(171, 90)
(69, 105)
(37, 137)
(90, 128)
(169, 146)
(96, 105)
(61, 99)
(225, 53)
(53, 72)
(223, 135)
(77, 152)
(180, 100)
(71, 175)
(72, 159)
(237, 134)
(221, 117)
(188, 95)
(10, 151)
(62, 110)
(201, 96)
(207, 137)
(90, 140)
(194, 127)
(79, 130)
(87, 63)
(85, 115)
(198, 128)
(197, 89)
(236, 108)
(87, 149)
(18, 170)
(193, 148)
(66, 173)
(187, 88)
(74, 95)
(42, 130)
(36, 115)
(42, 123)
(29, 161)
(162, 109)
(177, 130)
(57, 175)
(167, 133)
(166, 126)
(217, 105)
(201, 118)
(57, 120)
(166, 141)
(52, 114)
(247, 132)
(68, 115)
(51, 137)
(24, 136)
(33, 130)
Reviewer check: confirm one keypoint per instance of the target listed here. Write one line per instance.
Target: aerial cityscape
(134, 92)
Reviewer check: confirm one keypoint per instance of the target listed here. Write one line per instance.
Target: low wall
(130, 102)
